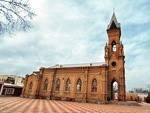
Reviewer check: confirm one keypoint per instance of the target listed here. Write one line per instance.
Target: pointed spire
(113, 22)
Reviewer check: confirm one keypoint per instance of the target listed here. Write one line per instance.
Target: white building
(11, 85)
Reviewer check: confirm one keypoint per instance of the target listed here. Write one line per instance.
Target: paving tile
(25, 105)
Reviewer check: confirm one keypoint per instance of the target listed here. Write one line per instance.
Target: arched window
(57, 85)
(94, 85)
(113, 46)
(78, 86)
(45, 84)
(30, 86)
(67, 85)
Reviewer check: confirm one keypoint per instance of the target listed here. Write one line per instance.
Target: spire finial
(113, 10)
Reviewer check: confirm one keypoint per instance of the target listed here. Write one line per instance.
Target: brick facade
(96, 80)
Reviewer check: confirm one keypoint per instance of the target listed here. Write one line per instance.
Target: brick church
(89, 82)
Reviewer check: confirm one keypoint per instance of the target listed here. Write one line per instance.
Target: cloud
(74, 31)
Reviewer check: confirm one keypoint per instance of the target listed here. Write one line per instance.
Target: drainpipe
(40, 78)
(106, 83)
(87, 78)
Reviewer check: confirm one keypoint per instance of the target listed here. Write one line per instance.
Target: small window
(78, 86)
(45, 84)
(94, 85)
(30, 86)
(67, 85)
(57, 85)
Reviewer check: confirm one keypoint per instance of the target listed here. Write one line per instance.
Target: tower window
(113, 63)
(113, 46)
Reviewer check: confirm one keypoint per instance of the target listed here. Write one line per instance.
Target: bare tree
(139, 90)
(15, 15)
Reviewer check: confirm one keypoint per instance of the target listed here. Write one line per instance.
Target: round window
(113, 63)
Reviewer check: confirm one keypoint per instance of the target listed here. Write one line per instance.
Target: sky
(74, 31)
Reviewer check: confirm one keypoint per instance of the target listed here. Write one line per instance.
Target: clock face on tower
(113, 63)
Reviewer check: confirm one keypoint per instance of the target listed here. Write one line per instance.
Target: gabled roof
(113, 21)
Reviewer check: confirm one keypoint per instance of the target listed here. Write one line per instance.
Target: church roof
(79, 65)
(113, 21)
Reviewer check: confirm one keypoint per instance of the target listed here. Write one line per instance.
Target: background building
(136, 96)
(11, 85)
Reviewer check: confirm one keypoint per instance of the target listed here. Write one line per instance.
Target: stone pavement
(25, 105)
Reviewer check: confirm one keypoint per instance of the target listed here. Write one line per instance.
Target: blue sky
(74, 31)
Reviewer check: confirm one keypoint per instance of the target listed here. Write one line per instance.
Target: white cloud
(75, 32)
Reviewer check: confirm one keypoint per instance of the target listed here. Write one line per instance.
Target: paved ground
(23, 105)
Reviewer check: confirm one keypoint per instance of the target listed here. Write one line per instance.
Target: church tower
(114, 57)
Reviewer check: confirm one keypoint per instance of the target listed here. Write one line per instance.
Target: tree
(10, 80)
(15, 15)
(148, 98)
